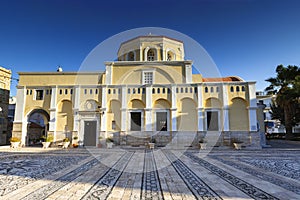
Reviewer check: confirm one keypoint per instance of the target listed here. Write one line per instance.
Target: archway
(162, 115)
(37, 126)
(187, 115)
(212, 114)
(238, 115)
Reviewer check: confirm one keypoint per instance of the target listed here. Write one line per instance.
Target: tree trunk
(288, 121)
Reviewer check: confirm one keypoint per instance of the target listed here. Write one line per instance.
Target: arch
(64, 120)
(187, 120)
(136, 104)
(238, 115)
(170, 55)
(37, 125)
(212, 103)
(162, 104)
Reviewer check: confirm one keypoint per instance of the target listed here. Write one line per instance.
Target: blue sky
(246, 38)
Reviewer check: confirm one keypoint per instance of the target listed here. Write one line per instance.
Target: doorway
(161, 121)
(90, 131)
(136, 121)
(212, 120)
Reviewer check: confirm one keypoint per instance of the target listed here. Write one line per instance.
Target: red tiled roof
(222, 79)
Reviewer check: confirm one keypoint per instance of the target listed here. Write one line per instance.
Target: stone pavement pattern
(136, 173)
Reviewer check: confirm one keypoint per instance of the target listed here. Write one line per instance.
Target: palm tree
(286, 87)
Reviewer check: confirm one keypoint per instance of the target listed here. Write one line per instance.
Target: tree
(286, 86)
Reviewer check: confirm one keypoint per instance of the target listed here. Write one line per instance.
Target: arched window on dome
(150, 55)
(130, 56)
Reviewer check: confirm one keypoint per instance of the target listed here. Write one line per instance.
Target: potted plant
(47, 141)
(99, 142)
(75, 142)
(14, 142)
(202, 143)
(152, 143)
(66, 143)
(237, 144)
(109, 142)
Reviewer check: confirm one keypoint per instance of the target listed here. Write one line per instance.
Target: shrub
(66, 140)
(109, 139)
(14, 139)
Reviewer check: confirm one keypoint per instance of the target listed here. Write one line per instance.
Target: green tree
(286, 86)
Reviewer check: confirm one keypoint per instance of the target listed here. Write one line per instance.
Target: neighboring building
(263, 98)
(148, 92)
(5, 77)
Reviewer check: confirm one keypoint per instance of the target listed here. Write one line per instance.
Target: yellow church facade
(148, 92)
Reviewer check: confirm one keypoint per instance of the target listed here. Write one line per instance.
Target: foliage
(66, 140)
(49, 138)
(75, 138)
(109, 139)
(286, 86)
(277, 112)
(14, 139)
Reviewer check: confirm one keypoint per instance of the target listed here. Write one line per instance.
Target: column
(200, 109)
(76, 108)
(225, 108)
(103, 110)
(174, 108)
(20, 122)
(53, 103)
(124, 109)
(252, 107)
(148, 109)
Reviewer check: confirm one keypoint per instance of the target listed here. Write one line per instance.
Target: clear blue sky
(246, 38)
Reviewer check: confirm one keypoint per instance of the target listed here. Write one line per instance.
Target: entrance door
(161, 121)
(212, 121)
(90, 129)
(136, 121)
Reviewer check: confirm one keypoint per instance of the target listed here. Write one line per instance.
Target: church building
(148, 93)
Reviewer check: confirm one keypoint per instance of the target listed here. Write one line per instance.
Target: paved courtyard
(137, 173)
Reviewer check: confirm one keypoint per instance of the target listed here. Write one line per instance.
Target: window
(108, 91)
(47, 92)
(191, 90)
(130, 56)
(237, 88)
(91, 91)
(71, 91)
(119, 91)
(169, 57)
(163, 90)
(148, 78)
(177, 90)
(169, 90)
(60, 91)
(217, 89)
(139, 90)
(133, 91)
(150, 55)
(206, 89)
(27, 92)
(114, 91)
(243, 88)
(85, 91)
(158, 90)
(30, 92)
(66, 91)
(196, 89)
(231, 89)
(153, 91)
(181, 90)
(144, 90)
(211, 89)
(128, 91)
(186, 90)
(39, 94)
(96, 91)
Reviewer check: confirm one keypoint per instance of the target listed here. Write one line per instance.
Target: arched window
(133, 91)
(217, 89)
(130, 56)
(66, 91)
(96, 91)
(150, 55)
(237, 88)
(91, 91)
(186, 90)
(128, 91)
(181, 90)
(191, 90)
(114, 91)
(231, 89)
(206, 89)
(153, 91)
(108, 91)
(163, 90)
(158, 90)
(211, 89)
(139, 90)
(243, 88)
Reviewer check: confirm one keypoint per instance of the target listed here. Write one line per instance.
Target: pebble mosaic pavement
(139, 173)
